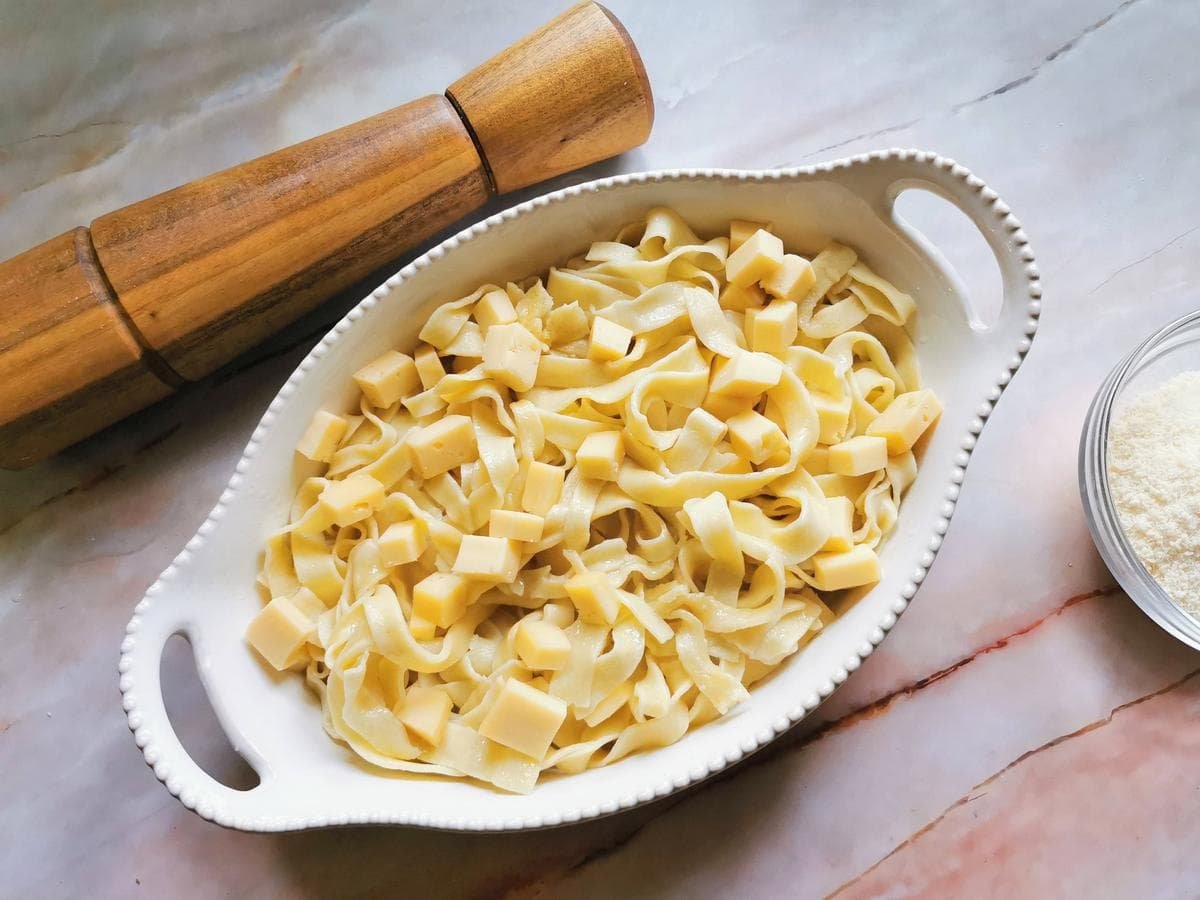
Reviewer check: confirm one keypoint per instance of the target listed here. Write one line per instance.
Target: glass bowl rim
(1099, 509)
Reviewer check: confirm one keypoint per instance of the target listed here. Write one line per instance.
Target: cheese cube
(755, 437)
(841, 524)
(422, 629)
(316, 567)
(792, 280)
(321, 437)
(566, 323)
(772, 328)
(402, 543)
(541, 645)
(511, 356)
(523, 719)
(519, 526)
(491, 559)
(600, 455)
(858, 455)
(815, 369)
(440, 599)
(424, 712)
(745, 375)
(757, 258)
(740, 231)
(442, 445)
(906, 419)
(280, 632)
(543, 487)
(832, 485)
(833, 416)
(494, 308)
(594, 597)
(740, 298)
(817, 461)
(700, 433)
(725, 408)
(609, 340)
(429, 366)
(837, 571)
(387, 378)
(351, 499)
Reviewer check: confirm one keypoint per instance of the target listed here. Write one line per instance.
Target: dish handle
(888, 174)
(156, 619)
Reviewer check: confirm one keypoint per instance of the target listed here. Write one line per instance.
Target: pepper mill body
(104, 320)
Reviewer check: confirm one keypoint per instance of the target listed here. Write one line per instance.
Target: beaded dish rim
(197, 796)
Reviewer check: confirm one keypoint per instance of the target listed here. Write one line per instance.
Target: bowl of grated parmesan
(1139, 476)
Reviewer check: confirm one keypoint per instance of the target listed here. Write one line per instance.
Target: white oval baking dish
(208, 592)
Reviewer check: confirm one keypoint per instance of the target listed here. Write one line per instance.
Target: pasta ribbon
(589, 512)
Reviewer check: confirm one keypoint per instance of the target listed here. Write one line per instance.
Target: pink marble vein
(1106, 190)
(1108, 811)
(815, 816)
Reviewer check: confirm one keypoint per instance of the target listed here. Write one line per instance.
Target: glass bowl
(1166, 353)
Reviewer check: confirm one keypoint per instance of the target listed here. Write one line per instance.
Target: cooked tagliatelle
(591, 510)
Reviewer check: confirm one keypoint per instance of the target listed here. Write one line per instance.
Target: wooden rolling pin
(102, 321)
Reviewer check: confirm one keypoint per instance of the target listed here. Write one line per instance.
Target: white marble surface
(1023, 731)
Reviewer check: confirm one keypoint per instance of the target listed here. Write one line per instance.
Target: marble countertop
(1025, 730)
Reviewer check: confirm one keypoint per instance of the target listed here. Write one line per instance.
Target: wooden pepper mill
(104, 320)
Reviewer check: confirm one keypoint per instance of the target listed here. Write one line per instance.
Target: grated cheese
(1154, 476)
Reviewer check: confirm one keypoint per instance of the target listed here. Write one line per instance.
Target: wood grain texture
(69, 365)
(210, 269)
(572, 93)
(97, 324)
